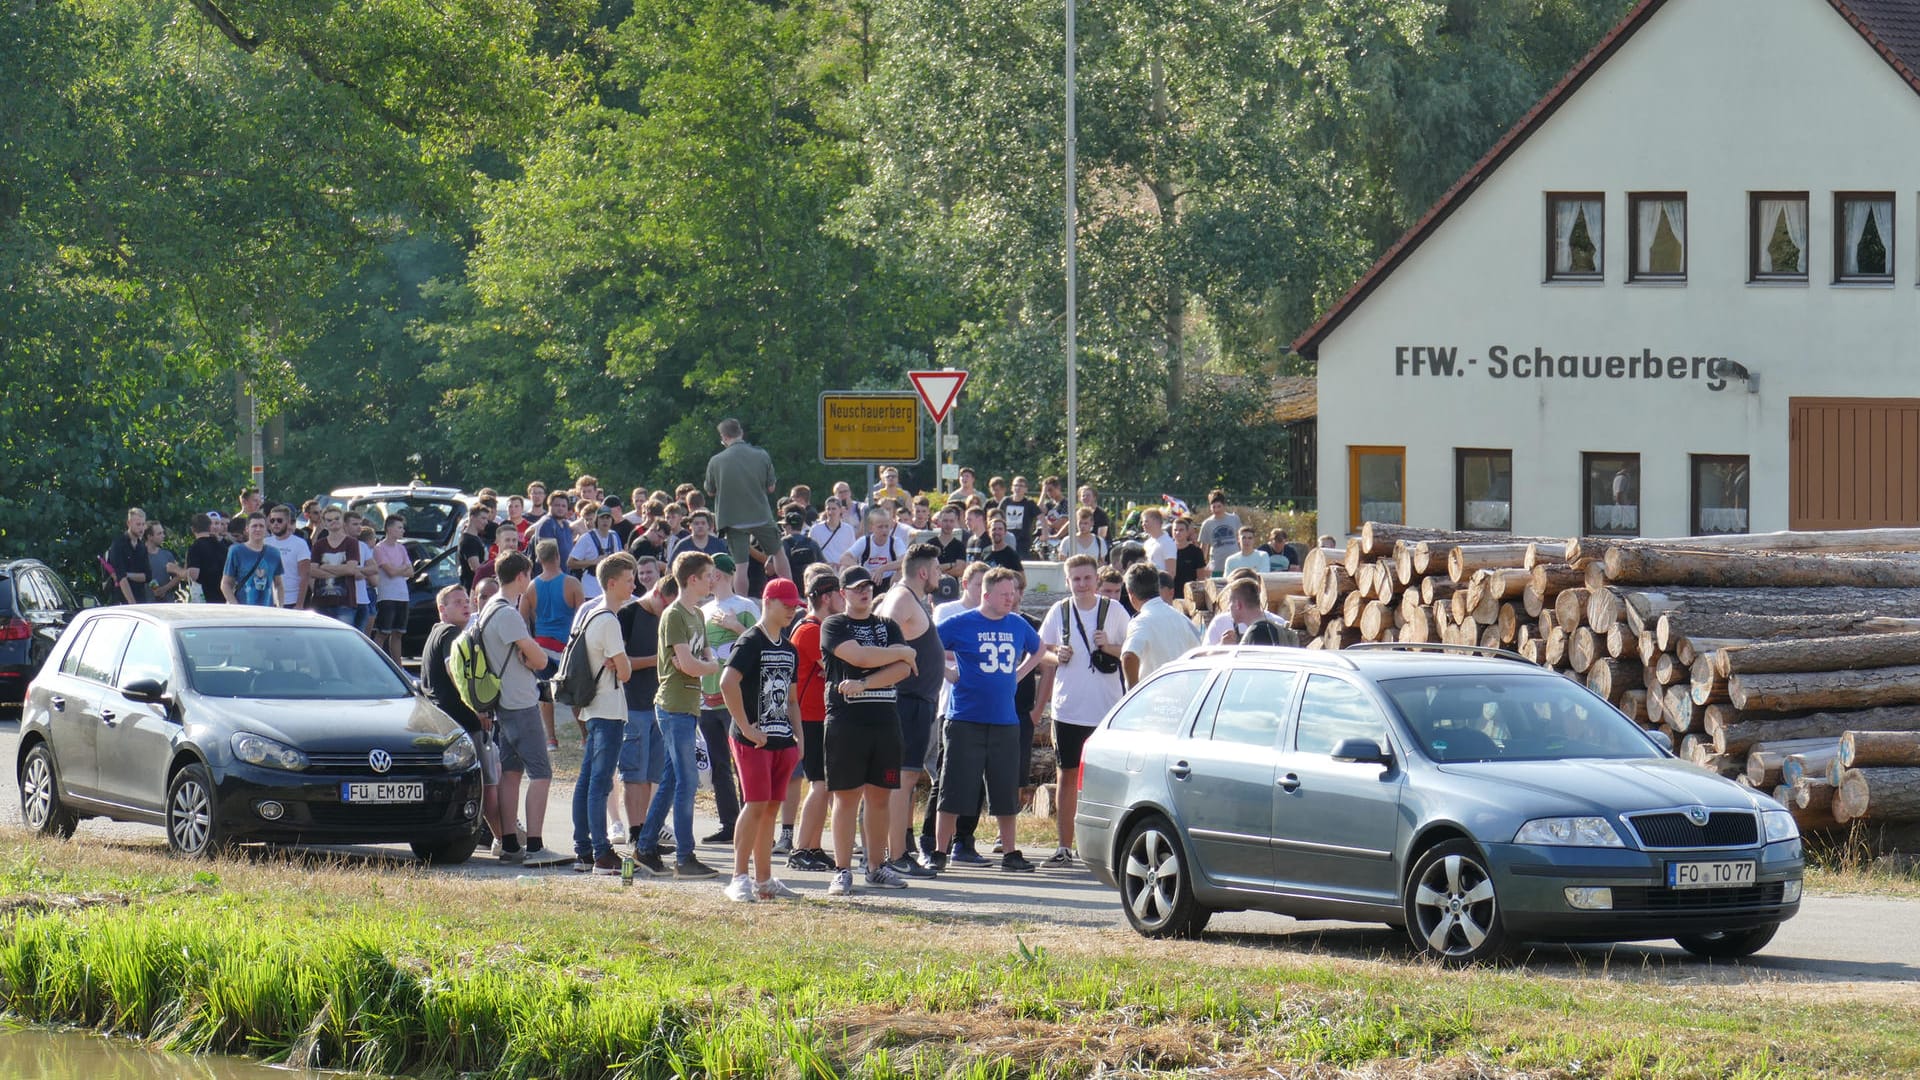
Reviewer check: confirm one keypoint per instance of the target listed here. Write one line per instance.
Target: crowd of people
(814, 660)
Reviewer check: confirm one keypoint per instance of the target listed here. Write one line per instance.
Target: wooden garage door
(1855, 463)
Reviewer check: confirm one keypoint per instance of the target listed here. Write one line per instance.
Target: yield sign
(938, 390)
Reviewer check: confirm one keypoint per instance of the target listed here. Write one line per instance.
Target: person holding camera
(1084, 633)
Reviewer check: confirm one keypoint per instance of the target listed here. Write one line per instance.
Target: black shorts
(980, 753)
(1068, 740)
(390, 617)
(859, 753)
(813, 752)
(916, 731)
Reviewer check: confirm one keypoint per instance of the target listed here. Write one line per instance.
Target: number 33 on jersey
(988, 654)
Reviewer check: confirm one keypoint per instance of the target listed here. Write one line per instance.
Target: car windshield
(433, 520)
(295, 663)
(1513, 717)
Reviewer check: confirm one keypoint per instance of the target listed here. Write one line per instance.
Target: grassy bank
(394, 970)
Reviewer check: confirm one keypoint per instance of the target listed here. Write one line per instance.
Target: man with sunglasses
(296, 558)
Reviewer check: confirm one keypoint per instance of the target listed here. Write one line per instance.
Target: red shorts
(763, 773)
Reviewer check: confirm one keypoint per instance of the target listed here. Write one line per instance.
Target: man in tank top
(919, 694)
(549, 607)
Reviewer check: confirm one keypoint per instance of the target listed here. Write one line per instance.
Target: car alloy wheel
(1452, 912)
(40, 804)
(193, 826)
(1155, 886)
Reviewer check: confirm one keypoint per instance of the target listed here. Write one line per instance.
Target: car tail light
(16, 629)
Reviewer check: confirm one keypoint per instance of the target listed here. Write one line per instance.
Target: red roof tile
(1891, 27)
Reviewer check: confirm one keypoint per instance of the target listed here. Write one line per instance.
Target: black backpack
(578, 682)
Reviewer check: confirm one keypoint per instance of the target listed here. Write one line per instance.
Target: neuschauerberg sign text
(1502, 362)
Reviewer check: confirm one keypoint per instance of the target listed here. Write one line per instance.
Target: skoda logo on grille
(381, 761)
(1696, 814)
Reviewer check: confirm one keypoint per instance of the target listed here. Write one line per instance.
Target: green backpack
(474, 677)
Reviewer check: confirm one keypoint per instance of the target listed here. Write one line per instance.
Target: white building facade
(1681, 296)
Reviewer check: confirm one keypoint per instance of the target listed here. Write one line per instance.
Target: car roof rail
(1440, 646)
(1269, 650)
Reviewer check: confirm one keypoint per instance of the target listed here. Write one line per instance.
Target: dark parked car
(225, 723)
(35, 606)
(1477, 801)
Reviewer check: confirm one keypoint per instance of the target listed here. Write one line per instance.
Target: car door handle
(1180, 770)
(109, 717)
(59, 703)
(1290, 782)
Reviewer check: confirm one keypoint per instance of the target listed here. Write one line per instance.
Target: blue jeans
(676, 789)
(643, 753)
(601, 751)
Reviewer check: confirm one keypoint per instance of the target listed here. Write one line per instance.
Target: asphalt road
(1835, 939)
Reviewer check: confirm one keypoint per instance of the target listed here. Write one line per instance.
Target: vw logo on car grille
(1699, 815)
(381, 761)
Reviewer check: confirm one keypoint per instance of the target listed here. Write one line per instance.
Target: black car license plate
(383, 791)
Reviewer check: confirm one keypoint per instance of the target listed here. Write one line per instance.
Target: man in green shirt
(740, 477)
(685, 657)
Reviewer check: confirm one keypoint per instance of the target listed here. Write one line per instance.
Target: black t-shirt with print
(209, 556)
(766, 670)
(876, 706)
(1022, 519)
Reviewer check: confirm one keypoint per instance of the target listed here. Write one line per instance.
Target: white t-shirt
(360, 583)
(1082, 695)
(1217, 629)
(591, 546)
(833, 542)
(1160, 551)
(293, 551)
(603, 639)
(1095, 548)
(874, 554)
(1159, 635)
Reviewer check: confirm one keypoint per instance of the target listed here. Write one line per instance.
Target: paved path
(1834, 938)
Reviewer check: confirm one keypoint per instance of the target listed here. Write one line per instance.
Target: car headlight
(1569, 832)
(459, 753)
(260, 750)
(1779, 825)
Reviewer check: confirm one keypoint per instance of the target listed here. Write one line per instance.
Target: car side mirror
(147, 691)
(1361, 752)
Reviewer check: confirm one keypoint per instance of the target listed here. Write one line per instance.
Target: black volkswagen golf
(223, 724)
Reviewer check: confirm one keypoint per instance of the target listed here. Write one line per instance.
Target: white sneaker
(1061, 857)
(775, 889)
(842, 884)
(740, 890)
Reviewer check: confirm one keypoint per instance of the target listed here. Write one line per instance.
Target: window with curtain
(1612, 494)
(1576, 237)
(1719, 494)
(1863, 231)
(1777, 236)
(1483, 490)
(1658, 223)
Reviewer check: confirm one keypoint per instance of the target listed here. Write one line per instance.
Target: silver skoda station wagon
(1472, 798)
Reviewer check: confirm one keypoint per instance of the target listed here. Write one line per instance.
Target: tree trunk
(1463, 560)
(1634, 704)
(1379, 538)
(1885, 794)
(1621, 644)
(1375, 621)
(1508, 621)
(1810, 762)
(1548, 582)
(1744, 570)
(1354, 557)
(1844, 540)
(1826, 654)
(1679, 712)
(1678, 625)
(1613, 679)
(1793, 691)
(1436, 588)
(1582, 650)
(1604, 607)
(1570, 609)
(1650, 605)
(1555, 653)
(1734, 732)
(1764, 760)
(1812, 794)
(1709, 686)
(1667, 670)
(1861, 749)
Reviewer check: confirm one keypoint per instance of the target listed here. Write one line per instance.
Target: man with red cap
(758, 689)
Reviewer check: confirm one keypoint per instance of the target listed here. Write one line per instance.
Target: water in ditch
(35, 1054)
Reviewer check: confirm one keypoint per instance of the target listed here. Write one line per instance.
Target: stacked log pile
(1756, 656)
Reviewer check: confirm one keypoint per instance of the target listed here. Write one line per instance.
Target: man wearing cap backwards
(866, 657)
(594, 545)
(728, 616)
(740, 477)
(758, 689)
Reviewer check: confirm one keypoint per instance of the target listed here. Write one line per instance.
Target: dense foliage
(485, 241)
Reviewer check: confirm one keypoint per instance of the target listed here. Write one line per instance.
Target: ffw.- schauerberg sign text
(1502, 362)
